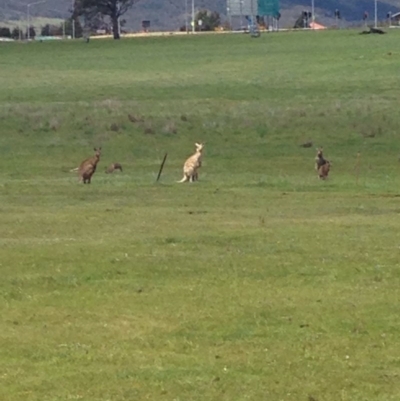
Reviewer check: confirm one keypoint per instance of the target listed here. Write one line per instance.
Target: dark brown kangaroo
(322, 166)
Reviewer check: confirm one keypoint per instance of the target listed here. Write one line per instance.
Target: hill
(170, 14)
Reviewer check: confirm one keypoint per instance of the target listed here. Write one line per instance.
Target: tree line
(62, 29)
(95, 10)
(92, 14)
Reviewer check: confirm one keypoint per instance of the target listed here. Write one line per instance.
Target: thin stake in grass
(161, 167)
(357, 167)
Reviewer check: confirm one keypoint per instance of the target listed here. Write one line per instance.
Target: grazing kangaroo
(88, 167)
(112, 167)
(306, 144)
(192, 164)
(322, 166)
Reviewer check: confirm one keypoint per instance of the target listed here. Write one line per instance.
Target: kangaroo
(112, 167)
(322, 166)
(88, 167)
(192, 164)
(324, 170)
(319, 159)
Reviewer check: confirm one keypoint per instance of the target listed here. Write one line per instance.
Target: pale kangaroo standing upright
(192, 164)
(322, 166)
(88, 167)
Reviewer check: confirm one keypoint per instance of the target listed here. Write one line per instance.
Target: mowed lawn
(259, 281)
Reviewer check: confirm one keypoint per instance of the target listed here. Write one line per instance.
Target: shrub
(210, 20)
(17, 33)
(5, 32)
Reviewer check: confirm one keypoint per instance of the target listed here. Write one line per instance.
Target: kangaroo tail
(184, 179)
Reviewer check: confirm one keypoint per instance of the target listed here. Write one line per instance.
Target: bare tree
(114, 9)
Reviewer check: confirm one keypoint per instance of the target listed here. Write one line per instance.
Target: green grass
(259, 282)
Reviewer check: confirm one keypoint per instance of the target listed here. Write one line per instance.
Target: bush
(32, 32)
(17, 33)
(210, 20)
(5, 32)
(69, 30)
(45, 30)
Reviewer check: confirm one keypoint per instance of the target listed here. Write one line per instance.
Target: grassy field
(259, 282)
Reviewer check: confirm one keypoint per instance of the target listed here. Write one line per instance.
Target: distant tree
(90, 22)
(56, 30)
(5, 32)
(69, 29)
(17, 33)
(122, 23)
(52, 30)
(32, 32)
(113, 9)
(303, 20)
(209, 20)
(45, 30)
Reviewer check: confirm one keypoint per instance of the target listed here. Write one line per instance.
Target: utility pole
(376, 13)
(29, 24)
(228, 12)
(29, 17)
(186, 16)
(241, 14)
(193, 16)
(313, 13)
(73, 19)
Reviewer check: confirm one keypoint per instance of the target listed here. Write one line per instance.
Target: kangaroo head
(97, 152)
(199, 147)
(320, 152)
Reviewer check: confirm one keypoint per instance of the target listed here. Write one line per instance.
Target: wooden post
(161, 167)
(357, 167)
